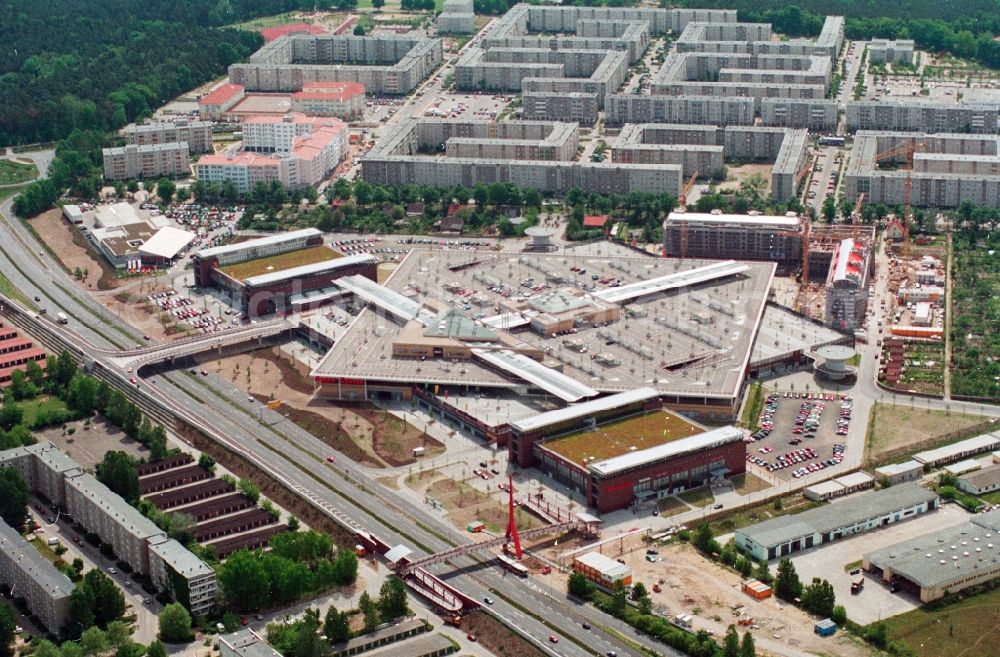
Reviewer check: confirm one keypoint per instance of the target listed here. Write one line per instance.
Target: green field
(33, 407)
(975, 334)
(969, 628)
(15, 173)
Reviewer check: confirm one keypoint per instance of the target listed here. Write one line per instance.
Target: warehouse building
(384, 64)
(270, 293)
(942, 562)
(986, 480)
(26, 574)
(840, 486)
(196, 134)
(150, 161)
(897, 473)
(963, 449)
(781, 536)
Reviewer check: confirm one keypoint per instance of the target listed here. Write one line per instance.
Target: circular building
(832, 362)
(541, 238)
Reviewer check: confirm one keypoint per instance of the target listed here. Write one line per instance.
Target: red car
(329, 459)
(470, 636)
(553, 638)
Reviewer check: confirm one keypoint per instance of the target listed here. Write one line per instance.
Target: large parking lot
(468, 106)
(800, 433)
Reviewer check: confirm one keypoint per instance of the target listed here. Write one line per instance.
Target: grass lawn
(280, 262)
(15, 173)
(898, 426)
(8, 290)
(617, 438)
(968, 628)
(669, 506)
(271, 21)
(44, 549)
(795, 503)
(748, 483)
(33, 407)
(7, 192)
(698, 497)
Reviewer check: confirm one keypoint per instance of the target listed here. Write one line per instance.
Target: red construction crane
(682, 205)
(906, 149)
(511, 525)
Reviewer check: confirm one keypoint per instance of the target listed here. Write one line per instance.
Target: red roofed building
(894, 231)
(345, 100)
(272, 33)
(212, 105)
(595, 220)
(15, 354)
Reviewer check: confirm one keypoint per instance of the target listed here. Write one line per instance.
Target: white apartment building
(27, 574)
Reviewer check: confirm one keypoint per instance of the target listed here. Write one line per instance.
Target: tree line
(965, 29)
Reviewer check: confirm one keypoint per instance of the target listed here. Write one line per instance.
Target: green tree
(109, 603)
(877, 634)
(392, 599)
(761, 572)
(731, 643)
(10, 415)
(818, 598)
(249, 489)
(117, 471)
(307, 642)
(703, 538)
(839, 615)
(156, 649)
(46, 648)
(829, 209)
(787, 585)
(175, 624)
(13, 497)
(369, 610)
(747, 648)
(165, 189)
(118, 633)
(580, 586)
(8, 623)
(94, 641)
(70, 649)
(245, 582)
(345, 567)
(336, 626)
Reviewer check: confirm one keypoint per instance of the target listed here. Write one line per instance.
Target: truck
(62, 318)
(857, 585)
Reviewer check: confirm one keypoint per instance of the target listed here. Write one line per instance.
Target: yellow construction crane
(682, 205)
(906, 149)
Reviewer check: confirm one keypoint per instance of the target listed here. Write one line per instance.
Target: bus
(512, 565)
(831, 141)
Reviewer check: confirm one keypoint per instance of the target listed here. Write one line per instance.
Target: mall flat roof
(278, 238)
(583, 410)
(550, 380)
(672, 281)
(278, 262)
(387, 299)
(310, 269)
(720, 436)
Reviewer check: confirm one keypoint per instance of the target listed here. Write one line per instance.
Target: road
(296, 459)
(283, 449)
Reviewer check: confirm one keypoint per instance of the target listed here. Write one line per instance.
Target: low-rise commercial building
(150, 161)
(245, 643)
(27, 574)
(219, 100)
(985, 480)
(942, 562)
(986, 442)
(781, 536)
(603, 571)
(898, 473)
(845, 485)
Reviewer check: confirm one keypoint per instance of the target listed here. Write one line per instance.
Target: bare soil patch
(90, 441)
(362, 433)
(466, 503)
(134, 307)
(72, 250)
(736, 174)
(497, 637)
